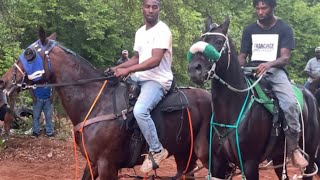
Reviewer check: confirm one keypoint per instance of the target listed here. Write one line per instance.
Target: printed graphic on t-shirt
(264, 47)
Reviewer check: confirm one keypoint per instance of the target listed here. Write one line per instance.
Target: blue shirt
(42, 92)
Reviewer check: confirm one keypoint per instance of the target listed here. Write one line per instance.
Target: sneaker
(50, 135)
(158, 157)
(35, 135)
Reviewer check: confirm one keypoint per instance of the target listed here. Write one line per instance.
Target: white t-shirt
(157, 37)
(313, 67)
(264, 47)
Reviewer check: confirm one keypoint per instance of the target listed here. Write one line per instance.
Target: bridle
(226, 46)
(212, 74)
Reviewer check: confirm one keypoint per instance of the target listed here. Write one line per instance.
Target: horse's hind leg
(182, 162)
(86, 172)
(107, 169)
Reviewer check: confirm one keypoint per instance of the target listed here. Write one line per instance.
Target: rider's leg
(151, 94)
(287, 101)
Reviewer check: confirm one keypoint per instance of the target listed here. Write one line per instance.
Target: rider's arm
(283, 60)
(308, 71)
(242, 58)
(150, 63)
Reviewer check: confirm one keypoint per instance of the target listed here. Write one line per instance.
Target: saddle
(124, 98)
(264, 95)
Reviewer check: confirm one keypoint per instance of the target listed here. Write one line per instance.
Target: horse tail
(42, 35)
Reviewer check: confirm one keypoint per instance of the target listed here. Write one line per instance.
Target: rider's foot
(298, 159)
(158, 157)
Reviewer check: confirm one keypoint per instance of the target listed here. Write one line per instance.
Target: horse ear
(42, 35)
(53, 36)
(225, 25)
(208, 22)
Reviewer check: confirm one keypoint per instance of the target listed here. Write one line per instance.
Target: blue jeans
(283, 90)
(151, 94)
(45, 106)
(307, 85)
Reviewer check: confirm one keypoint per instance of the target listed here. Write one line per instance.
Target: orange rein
(191, 146)
(81, 131)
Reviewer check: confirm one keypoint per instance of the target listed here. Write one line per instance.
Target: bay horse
(107, 141)
(256, 123)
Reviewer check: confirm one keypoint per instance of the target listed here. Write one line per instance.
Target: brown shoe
(298, 159)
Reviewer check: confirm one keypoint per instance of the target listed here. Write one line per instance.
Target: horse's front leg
(220, 167)
(182, 162)
(251, 169)
(8, 118)
(87, 174)
(279, 161)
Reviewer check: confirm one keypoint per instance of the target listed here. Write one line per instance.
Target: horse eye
(219, 42)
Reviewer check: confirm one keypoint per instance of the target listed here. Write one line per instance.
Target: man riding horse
(269, 42)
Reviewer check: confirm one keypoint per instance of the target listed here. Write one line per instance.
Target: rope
(191, 138)
(84, 122)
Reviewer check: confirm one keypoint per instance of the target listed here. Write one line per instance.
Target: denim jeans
(45, 106)
(283, 90)
(307, 85)
(151, 94)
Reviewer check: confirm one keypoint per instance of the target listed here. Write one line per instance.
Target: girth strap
(103, 118)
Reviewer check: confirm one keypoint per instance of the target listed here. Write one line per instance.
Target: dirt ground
(26, 158)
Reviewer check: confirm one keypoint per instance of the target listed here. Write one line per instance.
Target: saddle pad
(270, 106)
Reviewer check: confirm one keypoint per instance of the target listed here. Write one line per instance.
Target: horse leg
(181, 161)
(107, 169)
(310, 169)
(251, 169)
(220, 167)
(201, 146)
(86, 172)
(7, 123)
(278, 171)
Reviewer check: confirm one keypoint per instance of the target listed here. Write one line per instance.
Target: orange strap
(191, 138)
(75, 154)
(84, 122)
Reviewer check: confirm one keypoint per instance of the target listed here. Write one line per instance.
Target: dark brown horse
(107, 142)
(255, 126)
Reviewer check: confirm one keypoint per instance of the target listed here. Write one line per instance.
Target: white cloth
(264, 47)
(157, 37)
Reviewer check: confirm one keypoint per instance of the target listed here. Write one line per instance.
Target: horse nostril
(198, 67)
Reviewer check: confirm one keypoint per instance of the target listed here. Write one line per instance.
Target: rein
(76, 83)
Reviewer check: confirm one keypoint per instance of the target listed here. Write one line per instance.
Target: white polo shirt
(157, 37)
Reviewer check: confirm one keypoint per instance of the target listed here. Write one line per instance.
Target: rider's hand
(262, 69)
(119, 72)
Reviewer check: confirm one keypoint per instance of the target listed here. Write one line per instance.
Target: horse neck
(78, 99)
(225, 100)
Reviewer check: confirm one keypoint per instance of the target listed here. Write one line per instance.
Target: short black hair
(272, 3)
(159, 1)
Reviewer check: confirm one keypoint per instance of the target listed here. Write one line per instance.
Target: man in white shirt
(312, 69)
(151, 64)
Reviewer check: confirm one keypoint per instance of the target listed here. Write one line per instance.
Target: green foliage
(99, 30)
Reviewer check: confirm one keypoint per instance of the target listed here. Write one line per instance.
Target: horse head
(205, 54)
